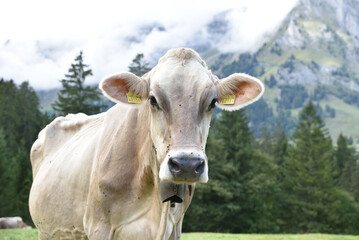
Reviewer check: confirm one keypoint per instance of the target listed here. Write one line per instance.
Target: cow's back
(62, 158)
(58, 133)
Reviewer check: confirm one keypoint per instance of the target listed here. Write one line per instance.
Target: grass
(220, 236)
(269, 71)
(320, 56)
(270, 94)
(25, 234)
(18, 234)
(312, 25)
(346, 120)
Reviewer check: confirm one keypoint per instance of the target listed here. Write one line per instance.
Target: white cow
(109, 176)
(13, 222)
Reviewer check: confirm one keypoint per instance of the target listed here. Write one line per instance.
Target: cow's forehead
(182, 74)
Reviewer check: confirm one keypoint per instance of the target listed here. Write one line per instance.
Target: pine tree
(139, 66)
(21, 121)
(355, 182)
(31, 117)
(20, 183)
(280, 144)
(308, 173)
(222, 201)
(9, 117)
(265, 142)
(346, 163)
(233, 130)
(75, 97)
(4, 162)
(264, 195)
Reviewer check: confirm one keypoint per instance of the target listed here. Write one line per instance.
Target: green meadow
(25, 234)
(221, 236)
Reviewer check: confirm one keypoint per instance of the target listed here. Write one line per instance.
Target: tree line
(20, 122)
(272, 183)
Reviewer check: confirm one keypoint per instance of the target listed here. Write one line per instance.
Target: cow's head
(181, 94)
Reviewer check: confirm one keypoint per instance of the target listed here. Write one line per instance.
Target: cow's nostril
(186, 168)
(174, 165)
(200, 168)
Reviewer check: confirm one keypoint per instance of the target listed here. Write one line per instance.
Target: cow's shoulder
(60, 131)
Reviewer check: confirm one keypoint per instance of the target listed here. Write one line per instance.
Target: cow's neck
(169, 215)
(129, 166)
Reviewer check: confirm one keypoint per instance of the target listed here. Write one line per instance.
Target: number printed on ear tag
(228, 99)
(132, 98)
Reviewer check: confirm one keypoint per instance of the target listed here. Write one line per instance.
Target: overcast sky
(39, 39)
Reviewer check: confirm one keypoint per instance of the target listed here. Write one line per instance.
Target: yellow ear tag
(132, 98)
(228, 99)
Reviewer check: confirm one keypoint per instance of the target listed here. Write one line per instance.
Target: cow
(130, 172)
(13, 222)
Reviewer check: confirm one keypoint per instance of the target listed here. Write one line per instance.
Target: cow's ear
(238, 91)
(125, 87)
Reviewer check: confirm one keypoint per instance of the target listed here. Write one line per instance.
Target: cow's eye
(213, 104)
(153, 102)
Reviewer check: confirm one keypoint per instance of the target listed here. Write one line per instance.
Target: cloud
(40, 39)
(252, 25)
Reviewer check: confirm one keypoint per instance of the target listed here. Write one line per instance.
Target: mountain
(314, 55)
(317, 47)
(323, 37)
(46, 98)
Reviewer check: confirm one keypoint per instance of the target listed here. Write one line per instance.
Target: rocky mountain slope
(314, 54)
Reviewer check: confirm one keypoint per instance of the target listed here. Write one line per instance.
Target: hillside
(314, 55)
(46, 97)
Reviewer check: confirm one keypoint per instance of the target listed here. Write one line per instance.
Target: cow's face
(181, 94)
(182, 100)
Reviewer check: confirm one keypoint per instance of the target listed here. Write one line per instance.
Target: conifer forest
(263, 181)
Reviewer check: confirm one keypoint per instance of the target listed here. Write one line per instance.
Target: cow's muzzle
(186, 168)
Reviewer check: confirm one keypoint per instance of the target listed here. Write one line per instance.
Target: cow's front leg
(177, 230)
(99, 231)
(96, 223)
(96, 229)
